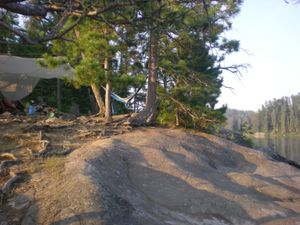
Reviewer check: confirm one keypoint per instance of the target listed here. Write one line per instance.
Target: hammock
(125, 101)
(19, 76)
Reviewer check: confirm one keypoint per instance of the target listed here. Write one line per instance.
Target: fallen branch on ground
(4, 191)
(4, 156)
(44, 143)
(4, 165)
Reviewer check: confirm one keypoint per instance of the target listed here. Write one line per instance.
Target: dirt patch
(162, 176)
(32, 156)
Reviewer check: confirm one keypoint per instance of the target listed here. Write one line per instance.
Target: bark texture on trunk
(151, 92)
(26, 9)
(108, 116)
(148, 115)
(100, 103)
(177, 123)
(92, 101)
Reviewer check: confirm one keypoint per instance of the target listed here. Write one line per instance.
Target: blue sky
(269, 33)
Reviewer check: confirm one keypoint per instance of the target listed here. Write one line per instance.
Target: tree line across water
(278, 117)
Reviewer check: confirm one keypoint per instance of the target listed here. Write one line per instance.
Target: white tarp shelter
(19, 76)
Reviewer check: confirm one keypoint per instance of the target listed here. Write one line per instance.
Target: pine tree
(181, 25)
(192, 71)
(90, 53)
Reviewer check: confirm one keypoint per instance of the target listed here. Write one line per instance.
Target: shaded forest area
(278, 117)
(172, 51)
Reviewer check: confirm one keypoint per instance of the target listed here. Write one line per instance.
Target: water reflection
(288, 147)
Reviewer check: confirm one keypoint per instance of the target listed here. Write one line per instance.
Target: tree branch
(27, 9)
(68, 8)
(10, 1)
(235, 69)
(17, 32)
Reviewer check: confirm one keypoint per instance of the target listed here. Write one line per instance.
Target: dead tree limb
(5, 190)
(8, 161)
(5, 156)
(4, 166)
(44, 148)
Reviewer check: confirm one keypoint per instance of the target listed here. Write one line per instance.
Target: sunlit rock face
(163, 176)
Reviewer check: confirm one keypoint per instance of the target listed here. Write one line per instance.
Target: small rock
(67, 116)
(6, 114)
(19, 202)
(16, 219)
(31, 216)
(51, 120)
(126, 123)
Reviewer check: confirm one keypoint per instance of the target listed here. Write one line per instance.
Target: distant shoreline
(259, 135)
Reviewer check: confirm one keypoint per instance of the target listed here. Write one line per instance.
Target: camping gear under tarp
(19, 76)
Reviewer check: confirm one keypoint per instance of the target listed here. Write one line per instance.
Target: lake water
(288, 147)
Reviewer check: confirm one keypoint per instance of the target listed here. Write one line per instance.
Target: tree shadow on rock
(132, 193)
(213, 166)
(218, 161)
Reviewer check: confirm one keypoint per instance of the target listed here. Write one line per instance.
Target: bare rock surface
(156, 176)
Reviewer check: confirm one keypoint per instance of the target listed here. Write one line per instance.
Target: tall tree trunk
(134, 102)
(108, 116)
(152, 79)
(92, 101)
(177, 123)
(148, 115)
(100, 103)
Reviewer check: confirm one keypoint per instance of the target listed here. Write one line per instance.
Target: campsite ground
(116, 175)
(37, 145)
